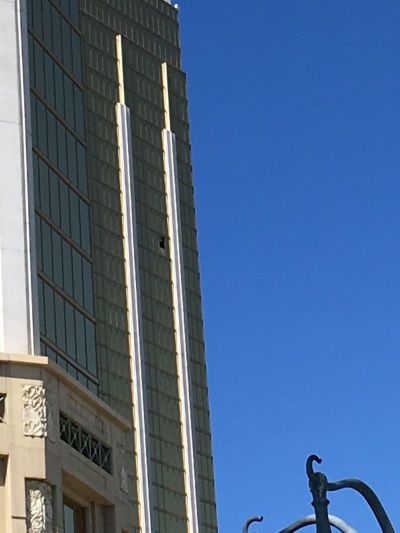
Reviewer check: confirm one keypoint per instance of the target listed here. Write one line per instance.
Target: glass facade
(63, 235)
(108, 267)
(80, 261)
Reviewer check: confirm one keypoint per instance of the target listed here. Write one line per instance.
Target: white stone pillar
(18, 332)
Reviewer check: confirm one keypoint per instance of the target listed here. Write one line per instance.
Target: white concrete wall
(16, 303)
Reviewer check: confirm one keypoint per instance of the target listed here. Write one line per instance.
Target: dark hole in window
(162, 242)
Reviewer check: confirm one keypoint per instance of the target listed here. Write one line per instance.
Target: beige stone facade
(34, 458)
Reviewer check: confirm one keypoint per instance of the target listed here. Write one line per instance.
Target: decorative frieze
(35, 411)
(39, 507)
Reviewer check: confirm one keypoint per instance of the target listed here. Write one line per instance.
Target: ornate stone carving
(39, 507)
(34, 416)
(123, 479)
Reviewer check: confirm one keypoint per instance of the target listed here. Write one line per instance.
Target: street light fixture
(250, 521)
(319, 487)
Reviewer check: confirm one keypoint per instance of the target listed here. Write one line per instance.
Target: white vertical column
(180, 312)
(18, 297)
(135, 327)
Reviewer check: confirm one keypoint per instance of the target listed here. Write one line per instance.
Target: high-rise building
(104, 418)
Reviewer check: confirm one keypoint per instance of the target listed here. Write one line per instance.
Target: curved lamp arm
(320, 485)
(250, 521)
(369, 496)
(334, 521)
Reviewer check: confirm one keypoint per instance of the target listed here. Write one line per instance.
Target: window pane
(74, 209)
(39, 68)
(49, 79)
(62, 149)
(70, 330)
(79, 119)
(47, 23)
(69, 522)
(56, 32)
(72, 370)
(59, 88)
(47, 250)
(41, 126)
(85, 228)
(52, 137)
(60, 321)
(30, 14)
(31, 57)
(82, 180)
(36, 186)
(54, 197)
(51, 354)
(34, 120)
(41, 306)
(49, 313)
(66, 44)
(77, 276)
(71, 150)
(61, 361)
(38, 232)
(76, 55)
(44, 187)
(57, 259)
(91, 346)
(87, 285)
(74, 11)
(37, 18)
(64, 4)
(92, 387)
(69, 100)
(80, 338)
(64, 207)
(67, 267)
(82, 379)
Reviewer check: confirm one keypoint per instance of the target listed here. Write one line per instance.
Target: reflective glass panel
(49, 313)
(67, 267)
(77, 276)
(64, 207)
(57, 259)
(60, 321)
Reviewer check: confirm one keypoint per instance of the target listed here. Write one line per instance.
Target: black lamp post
(320, 486)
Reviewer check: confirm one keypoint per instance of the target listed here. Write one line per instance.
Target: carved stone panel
(123, 479)
(34, 416)
(39, 507)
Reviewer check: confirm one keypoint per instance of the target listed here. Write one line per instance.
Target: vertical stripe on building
(27, 175)
(19, 312)
(135, 326)
(180, 313)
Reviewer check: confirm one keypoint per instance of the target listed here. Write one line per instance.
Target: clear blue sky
(295, 126)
